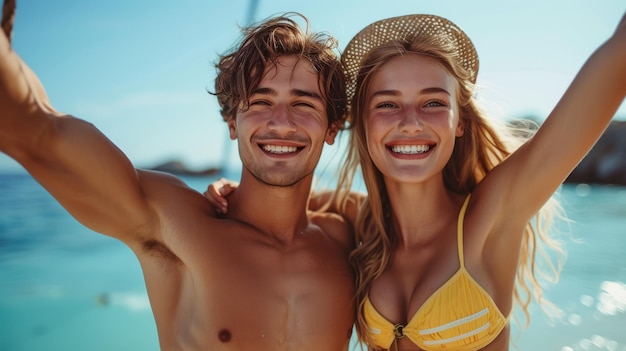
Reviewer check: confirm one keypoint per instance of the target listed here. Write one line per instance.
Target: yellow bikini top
(460, 315)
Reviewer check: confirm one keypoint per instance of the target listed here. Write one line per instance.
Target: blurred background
(140, 71)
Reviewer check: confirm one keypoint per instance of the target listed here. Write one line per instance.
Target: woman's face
(411, 118)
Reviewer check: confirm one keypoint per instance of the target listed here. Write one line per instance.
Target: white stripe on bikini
(455, 323)
(375, 330)
(459, 337)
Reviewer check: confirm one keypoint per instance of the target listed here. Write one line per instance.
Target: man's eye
(304, 104)
(259, 102)
(386, 105)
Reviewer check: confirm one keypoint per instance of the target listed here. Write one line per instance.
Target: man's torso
(223, 285)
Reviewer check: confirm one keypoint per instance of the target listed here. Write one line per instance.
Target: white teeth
(410, 149)
(278, 149)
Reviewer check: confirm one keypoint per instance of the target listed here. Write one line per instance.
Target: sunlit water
(63, 287)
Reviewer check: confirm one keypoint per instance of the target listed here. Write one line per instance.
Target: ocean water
(64, 287)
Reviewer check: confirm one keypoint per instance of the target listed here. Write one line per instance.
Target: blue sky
(139, 69)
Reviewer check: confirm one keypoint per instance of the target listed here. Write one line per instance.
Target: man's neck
(280, 211)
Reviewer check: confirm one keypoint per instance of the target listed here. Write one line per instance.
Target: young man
(268, 275)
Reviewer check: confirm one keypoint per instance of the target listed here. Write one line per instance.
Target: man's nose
(281, 119)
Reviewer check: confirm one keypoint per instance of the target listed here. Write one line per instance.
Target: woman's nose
(411, 121)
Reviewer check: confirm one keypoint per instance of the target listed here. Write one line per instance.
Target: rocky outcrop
(179, 168)
(606, 162)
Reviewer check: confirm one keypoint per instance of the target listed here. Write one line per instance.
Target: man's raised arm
(76, 163)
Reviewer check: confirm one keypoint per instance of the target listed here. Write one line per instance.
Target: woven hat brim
(399, 28)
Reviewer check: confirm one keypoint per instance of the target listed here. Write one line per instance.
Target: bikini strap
(459, 230)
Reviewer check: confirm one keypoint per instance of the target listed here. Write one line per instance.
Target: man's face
(281, 135)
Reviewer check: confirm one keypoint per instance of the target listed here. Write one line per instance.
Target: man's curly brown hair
(241, 70)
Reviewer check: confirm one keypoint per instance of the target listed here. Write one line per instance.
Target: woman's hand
(217, 192)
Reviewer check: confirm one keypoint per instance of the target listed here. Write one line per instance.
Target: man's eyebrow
(306, 93)
(294, 92)
(265, 91)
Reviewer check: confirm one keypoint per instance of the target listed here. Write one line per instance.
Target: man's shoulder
(149, 177)
(159, 184)
(172, 198)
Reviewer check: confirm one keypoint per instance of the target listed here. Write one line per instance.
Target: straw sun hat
(401, 28)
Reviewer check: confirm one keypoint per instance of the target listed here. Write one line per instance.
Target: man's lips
(280, 149)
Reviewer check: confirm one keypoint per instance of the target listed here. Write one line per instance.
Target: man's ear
(332, 131)
(232, 128)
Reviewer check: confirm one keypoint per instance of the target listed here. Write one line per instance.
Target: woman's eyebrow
(386, 92)
(392, 92)
(435, 90)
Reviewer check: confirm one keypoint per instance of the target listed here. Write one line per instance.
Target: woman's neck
(421, 210)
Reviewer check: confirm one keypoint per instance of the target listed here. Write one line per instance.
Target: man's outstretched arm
(8, 15)
(74, 161)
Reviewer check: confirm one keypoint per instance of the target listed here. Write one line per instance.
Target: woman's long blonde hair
(483, 145)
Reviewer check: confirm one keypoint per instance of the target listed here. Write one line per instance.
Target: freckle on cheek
(224, 335)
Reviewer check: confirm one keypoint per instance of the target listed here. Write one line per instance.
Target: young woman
(448, 236)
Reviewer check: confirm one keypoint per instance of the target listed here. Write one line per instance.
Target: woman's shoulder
(335, 226)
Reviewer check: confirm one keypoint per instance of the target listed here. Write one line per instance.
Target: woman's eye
(434, 103)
